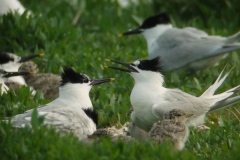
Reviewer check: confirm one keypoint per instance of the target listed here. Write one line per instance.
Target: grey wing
(179, 47)
(177, 99)
(196, 31)
(21, 120)
(71, 121)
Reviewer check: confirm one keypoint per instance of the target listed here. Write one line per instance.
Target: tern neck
(76, 94)
(152, 34)
(148, 78)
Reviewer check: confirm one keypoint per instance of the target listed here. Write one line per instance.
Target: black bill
(25, 58)
(121, 69)
(100, 81)
(12, 74)
(134, 31)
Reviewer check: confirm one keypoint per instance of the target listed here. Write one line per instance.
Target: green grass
(84, 46)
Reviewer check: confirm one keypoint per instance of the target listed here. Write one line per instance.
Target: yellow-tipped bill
(41, 54)
(108, 60)
(112, 79)
(106, 66)
(120, 35)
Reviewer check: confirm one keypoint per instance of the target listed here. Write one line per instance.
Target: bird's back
(179, 47)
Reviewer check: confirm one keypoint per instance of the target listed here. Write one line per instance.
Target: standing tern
(186, 48)
(172, 127)
(72, 112)
(4, 75)
(150, 100)
(47, 83)
(11, 63)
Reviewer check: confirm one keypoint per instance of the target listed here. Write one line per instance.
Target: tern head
(70, 78)
(143, 70)
(12, 62)
(152, 23)
(178, 115)
(75, 87)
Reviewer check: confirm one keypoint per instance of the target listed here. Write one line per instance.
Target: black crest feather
(162, 18)
(5, 58)
(69, 75)
(92, 114)
(154, 64)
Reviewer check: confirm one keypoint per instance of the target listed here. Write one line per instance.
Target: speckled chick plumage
(172, 127)
(47, 83)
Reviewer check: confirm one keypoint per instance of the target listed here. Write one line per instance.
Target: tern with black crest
(183, 49)
(72, 112)
(150, 100)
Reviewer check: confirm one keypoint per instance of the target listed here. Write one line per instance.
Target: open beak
(12, 74)
(189, 115)
(121, 69)
(134, 31)
(25, 58)
(100, 81)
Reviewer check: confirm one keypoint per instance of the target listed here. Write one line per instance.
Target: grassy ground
(84, 46)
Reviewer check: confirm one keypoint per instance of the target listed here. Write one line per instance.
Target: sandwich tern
(186, 48)
(47, 83)
(72, 112)
(172, 127)
(11, 63)
(150, 100)
(4, 75)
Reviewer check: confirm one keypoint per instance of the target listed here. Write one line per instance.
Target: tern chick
(72, 111)
(173, 127)
(186, 48)
(150, 100)
(47, 83)
(108, 132)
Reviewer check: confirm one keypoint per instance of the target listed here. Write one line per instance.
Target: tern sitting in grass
(150, 100)
(72, 112)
